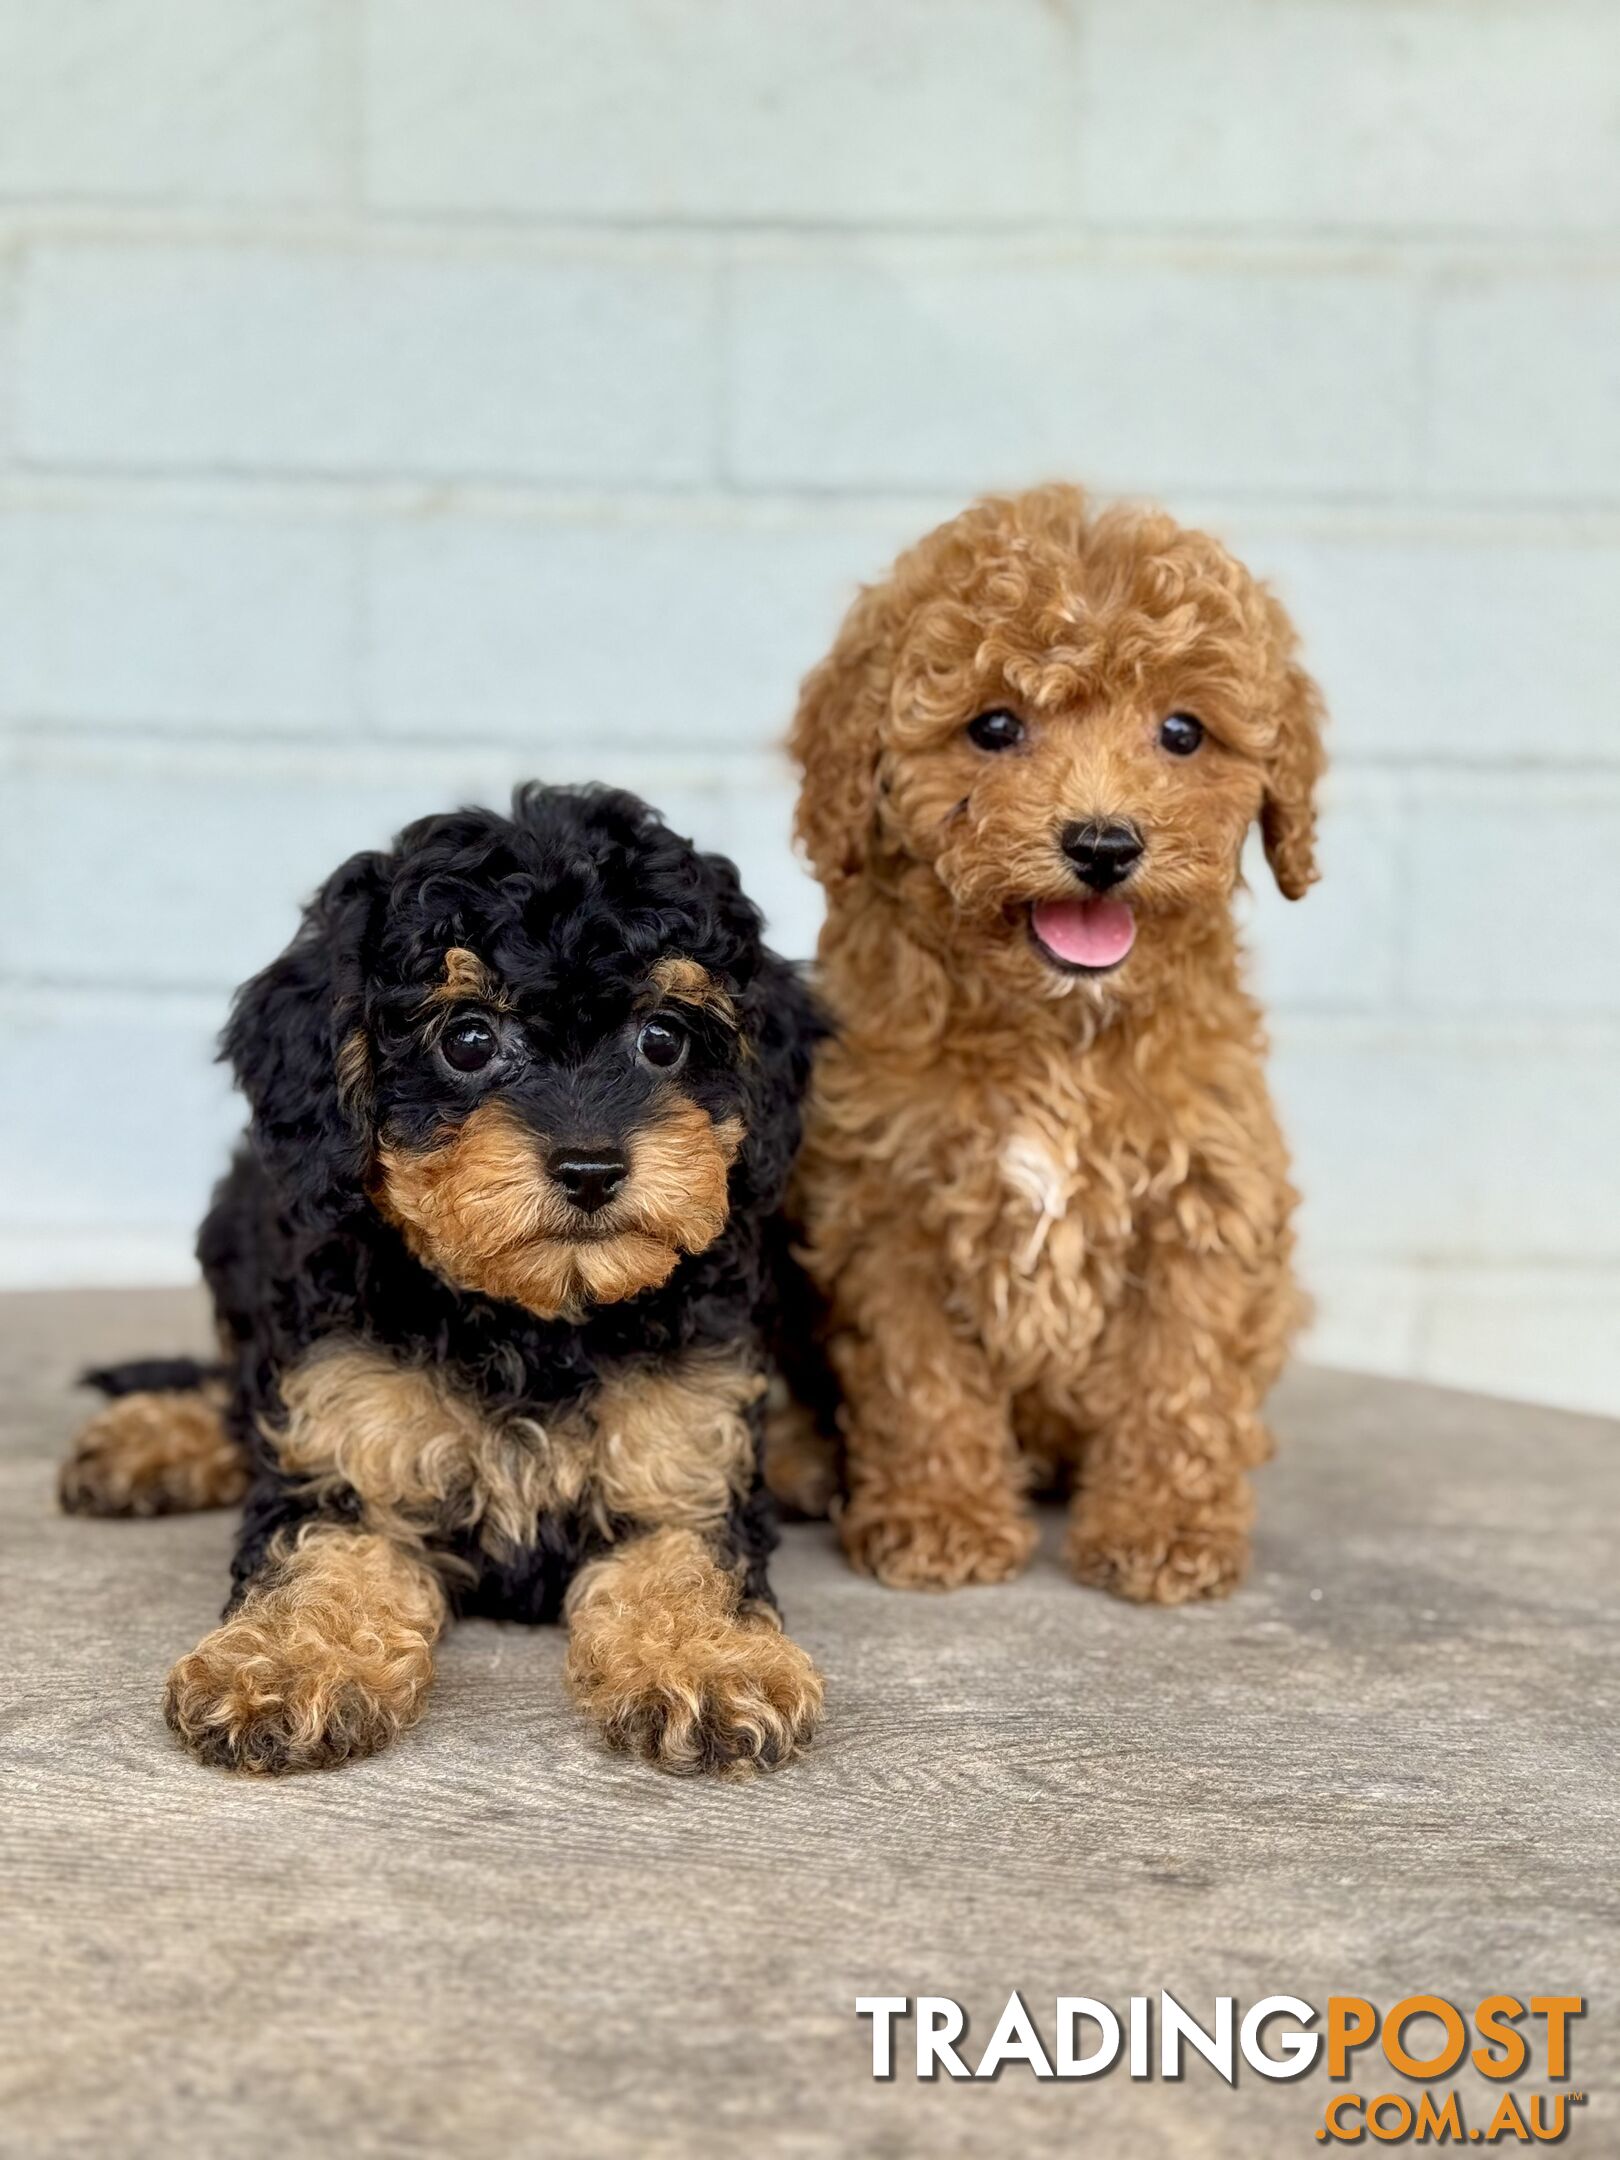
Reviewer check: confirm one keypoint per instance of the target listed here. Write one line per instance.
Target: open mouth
(1083, 937)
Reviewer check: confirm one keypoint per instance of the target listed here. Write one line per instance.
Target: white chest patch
(1037, 1177)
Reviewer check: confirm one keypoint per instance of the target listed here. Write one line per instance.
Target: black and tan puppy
(491, 1278)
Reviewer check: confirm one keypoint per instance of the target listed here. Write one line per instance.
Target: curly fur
(327, 1657)
(454, 1387)
(474, 1208)
(679, 1667)
(1049, 1212)
(158, 1451)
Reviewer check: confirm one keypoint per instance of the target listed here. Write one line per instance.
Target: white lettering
(1299, 2047)
(882, 2010)
(1014, 2040)
(1175, 2026)
(939, 2022)
(1141, 2036)
(1070, 2010)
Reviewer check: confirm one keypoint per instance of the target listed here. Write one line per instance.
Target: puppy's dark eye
(1181, 734)
(468, 1045)
(662, 1043)
(998, 730)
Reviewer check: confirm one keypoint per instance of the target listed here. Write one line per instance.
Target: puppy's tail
(150, 1376)
(160, 1444)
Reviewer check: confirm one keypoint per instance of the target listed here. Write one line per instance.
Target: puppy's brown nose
(1101, 854)
(589, 1176)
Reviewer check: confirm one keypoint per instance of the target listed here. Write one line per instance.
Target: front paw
(933, 1545)
(730, 1700)
(1167, 1558)
(242, 1700)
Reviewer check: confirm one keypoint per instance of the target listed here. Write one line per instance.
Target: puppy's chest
(654, 1445)
(1040, 1237)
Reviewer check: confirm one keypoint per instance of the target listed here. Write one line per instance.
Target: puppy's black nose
(1101, 854)
(589, 1176)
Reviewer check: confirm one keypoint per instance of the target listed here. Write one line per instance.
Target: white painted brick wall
(175, 831)
(904, 366)
(837, 111)
(136, 618)
(163, 1119)
(1451, 1144)
(1525, 382)
(397, 399)
(539, 632)
(1514, 899)
(544, 363)
(1407, 116)
(172, 101)
(1456, 641)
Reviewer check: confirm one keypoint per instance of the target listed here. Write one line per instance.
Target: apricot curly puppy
(1043, 1193)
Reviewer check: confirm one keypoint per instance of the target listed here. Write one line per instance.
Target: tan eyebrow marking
(686, 983)
(466, 977)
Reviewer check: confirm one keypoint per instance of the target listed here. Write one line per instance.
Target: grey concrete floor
(1387, 1766)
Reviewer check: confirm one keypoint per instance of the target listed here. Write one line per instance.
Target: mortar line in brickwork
(333, 492)
(729, 765)
(1537, 252)
(713, 753)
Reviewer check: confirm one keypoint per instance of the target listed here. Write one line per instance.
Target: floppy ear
(784, 1024)
(297, 1042)
(1288, 814)
(780, 1025)
(836, 738)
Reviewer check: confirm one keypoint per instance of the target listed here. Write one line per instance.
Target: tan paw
(675, 1668)
(696, 1685)
(731, 1700)
(244, 1701)
(930, 1547)
(157, 1453)
(1155, 1562)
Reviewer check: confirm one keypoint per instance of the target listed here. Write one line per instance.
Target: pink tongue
(1086, 933)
